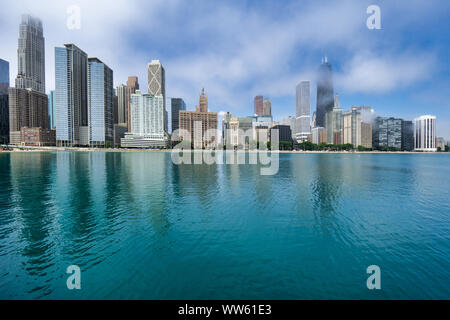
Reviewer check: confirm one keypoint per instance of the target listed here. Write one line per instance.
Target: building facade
(356, 131)
(122, 104)
(319, 135)
(147, 122)
(258, 105)
(387, 132)
(333, 123)
(38, 137)
(4, 77)
(27, 108)
(407, 136)
(267, 108)
(71, 104)
(425, 134)
(31, 55)
(51, 110)
(4, 119)
(325, 92)
(177, 105)
(303, 111)
(201, 128)
(157, 83)
(132, 87)
(100, 104)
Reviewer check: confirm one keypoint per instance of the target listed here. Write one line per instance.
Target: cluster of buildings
(85, 110)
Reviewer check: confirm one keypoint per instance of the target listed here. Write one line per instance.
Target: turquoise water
(140, 227)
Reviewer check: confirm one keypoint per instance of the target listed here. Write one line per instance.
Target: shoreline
(64, 149)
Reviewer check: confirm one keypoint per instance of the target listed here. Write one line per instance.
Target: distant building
(203, 102)
(132, 87)
(303, 111)
(407, 136)
(319, 135)
(357, 127)
(122, 104)
(147, 122)
(119, 133)
(177, 105)
(31, 55)
(4, 77)
(71, 107)
(51, 110)
(4, 119)
(284, 133)
(325, 92)
(291, 122)
(201, 128)
(27, 108)
(237, 131)
(157, 84)
(425, 134)
(333, 123)
(440, 144)
(37, 137)
(100, 104)
(267, 108)
(259, 106)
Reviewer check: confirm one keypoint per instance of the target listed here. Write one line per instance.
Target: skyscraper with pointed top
(325, 92)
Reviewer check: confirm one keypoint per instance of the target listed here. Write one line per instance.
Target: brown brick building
(197, 124)
(27, 108)
(37, 137)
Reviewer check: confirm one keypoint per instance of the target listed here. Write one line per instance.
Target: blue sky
(237, 49)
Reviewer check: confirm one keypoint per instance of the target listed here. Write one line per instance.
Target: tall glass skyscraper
(100, 104)
(177, 104)
(31, 55)
(325, 92)
(259, 104)
(71, 107)
(4, 76)
(303, 111)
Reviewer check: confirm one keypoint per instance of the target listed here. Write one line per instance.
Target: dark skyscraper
(407, 136)
(177, 105)
(325, 92)
(4, 76)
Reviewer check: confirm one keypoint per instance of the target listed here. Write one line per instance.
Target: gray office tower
(71, 103)
(4, 104)
(303, 112)
(325, 92)
(177, 105)
(31, 55)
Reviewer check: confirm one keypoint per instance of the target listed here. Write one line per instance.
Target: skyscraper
(203, 101)
(325, 92)
(4, 76)
(132, 86)
(425, 134)
(27, 108)
(31, 55)
(267, 107)
(387, 132)
(357, 127)
(51, 110)
(407, 136)
(303, 111)
(259, 105)
(157, 83)
(177, 104)
(100, 104)
(71, 108)
(122, 103)
(147, 118)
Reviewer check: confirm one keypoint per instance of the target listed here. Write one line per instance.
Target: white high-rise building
(425, 134)
(147, 122)
(157, 84)
(303, 108)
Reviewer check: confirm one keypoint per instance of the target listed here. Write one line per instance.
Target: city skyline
(388, 97)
